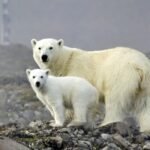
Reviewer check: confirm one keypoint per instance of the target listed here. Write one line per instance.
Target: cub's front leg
(59, 114)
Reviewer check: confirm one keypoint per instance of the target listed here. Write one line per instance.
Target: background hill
(86, 24)
(14, 60)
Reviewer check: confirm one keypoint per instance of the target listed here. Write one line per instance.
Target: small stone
(135, 146)
(139, 139)
(79, 136)
(121, 128)
(34, 124)
(66, 130)
(146, 146)
(111, 146)
(76, 132)
(100, 142)
(92, 139)
(96, 132)
(27, 105)
(58, 140)
(81, 132)
(122, 142)
(105, 136)
(146, 136)
(9, 144)
(65, 137)
(85, 144)
(48, 148)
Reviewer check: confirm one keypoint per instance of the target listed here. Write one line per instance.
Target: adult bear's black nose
(37, 84)
(44, 58)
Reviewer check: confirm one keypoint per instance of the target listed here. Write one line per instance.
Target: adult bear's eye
(33, 77)
(39, 48)
(50, 48)
(41, 77)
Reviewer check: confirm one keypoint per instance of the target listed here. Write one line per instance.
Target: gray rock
(146, 146)
(66, 130)
(122, 142)
(96, 132)
(135, 146)
(58, 140)
(111, 146)
(100, 142)
(79, 136)
(140, 139)
(122, 128)
(76, 132)
(65, 137)
(27, 105)
(81, 132)
(92, 140)
(105, 136)
(34, 124)
(8, 144)
(85, 144)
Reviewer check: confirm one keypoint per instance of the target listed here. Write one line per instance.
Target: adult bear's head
(46, 50)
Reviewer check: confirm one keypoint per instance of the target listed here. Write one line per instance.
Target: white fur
(121, 75)
(59, 92)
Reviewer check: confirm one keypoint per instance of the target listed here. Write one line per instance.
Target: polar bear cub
(60, 93)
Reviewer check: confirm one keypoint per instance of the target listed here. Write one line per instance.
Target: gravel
(40, 135)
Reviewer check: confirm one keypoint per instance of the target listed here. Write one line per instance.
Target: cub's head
(46, 50)
(37, 77)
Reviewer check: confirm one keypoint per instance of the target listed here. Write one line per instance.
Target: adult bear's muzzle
(44, 58)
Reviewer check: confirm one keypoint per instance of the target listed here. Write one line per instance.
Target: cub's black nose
(37, 84)
(44, 58)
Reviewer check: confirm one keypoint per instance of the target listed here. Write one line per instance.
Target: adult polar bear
(121, 75)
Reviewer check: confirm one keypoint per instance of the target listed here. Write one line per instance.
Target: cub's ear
(33, 42)
(60, 42)
(47, 71)
(28, 71)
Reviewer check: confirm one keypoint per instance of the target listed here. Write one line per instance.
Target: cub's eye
(50, 48)
(39, 48)
(33, 77)
(41, 77)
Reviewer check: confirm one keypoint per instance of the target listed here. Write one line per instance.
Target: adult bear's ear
(33, 42)
(47, 71)
(28, 71)
(60, 42)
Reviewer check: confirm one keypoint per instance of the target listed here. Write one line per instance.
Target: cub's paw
(76, 124)
(52, 121)
(53, 124)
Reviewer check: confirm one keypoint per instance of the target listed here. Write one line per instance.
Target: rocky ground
(19, 104)
(40, 136)
(25, 125)
(24, 121)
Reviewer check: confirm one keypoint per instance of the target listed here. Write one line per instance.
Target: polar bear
(121, 76)
(58, 93)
